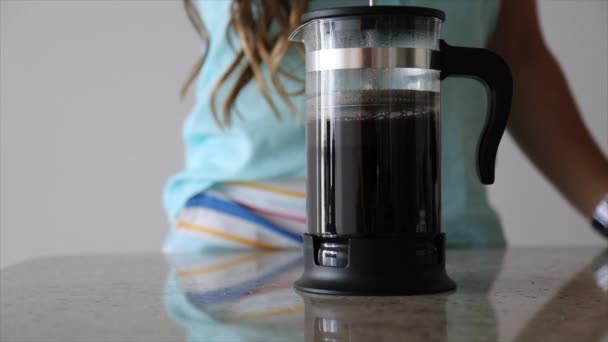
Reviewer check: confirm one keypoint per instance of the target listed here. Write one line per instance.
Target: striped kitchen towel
(266, 215)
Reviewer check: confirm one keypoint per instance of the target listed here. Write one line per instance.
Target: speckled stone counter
(558, 294)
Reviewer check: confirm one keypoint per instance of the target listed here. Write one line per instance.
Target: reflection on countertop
(236, 296)
(538, 293)
(522, 294)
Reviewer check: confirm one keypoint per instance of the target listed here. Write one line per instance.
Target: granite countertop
(515, 294)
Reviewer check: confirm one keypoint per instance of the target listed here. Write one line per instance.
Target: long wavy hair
(251, 20)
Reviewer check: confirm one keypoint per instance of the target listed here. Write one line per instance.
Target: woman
(243, 184)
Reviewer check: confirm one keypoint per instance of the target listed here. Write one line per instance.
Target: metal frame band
(374, 57)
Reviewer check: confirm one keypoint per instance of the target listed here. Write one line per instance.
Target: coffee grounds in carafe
(374, 168)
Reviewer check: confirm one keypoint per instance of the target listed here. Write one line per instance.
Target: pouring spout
(298, 35)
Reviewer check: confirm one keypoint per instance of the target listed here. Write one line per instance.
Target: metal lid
(373, 10)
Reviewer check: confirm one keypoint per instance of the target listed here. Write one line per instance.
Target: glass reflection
(441, 317)
(249, 296)
(236, 296)
(538, 295)
(600, 269)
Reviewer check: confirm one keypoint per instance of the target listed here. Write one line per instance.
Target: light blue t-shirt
(257, 146)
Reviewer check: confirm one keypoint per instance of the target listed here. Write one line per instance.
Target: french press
(373, 146)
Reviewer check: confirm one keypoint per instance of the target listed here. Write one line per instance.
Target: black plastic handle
(490, 69)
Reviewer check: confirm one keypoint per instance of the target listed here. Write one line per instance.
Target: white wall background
(90, 124)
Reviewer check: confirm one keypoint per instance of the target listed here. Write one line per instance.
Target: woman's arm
(545, 121)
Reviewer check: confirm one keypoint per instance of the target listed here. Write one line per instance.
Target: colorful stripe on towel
(264, 215)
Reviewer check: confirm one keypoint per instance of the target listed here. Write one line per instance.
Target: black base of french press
(379, 266)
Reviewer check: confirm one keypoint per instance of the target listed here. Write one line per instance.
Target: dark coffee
(374, 168)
